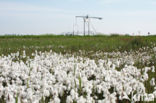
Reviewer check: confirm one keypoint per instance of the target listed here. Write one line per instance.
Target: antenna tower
(86, 20)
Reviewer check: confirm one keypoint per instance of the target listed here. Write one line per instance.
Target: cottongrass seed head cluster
(55, 78)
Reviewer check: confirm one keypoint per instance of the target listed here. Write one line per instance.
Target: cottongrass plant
(55, 78)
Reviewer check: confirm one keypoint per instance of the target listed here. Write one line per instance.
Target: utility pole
(88, 26)
(86, 19)
(84, 32)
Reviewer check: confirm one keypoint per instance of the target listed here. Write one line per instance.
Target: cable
(94, 30)
(77, 27)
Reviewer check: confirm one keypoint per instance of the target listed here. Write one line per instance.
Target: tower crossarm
(80, 16)
(87, 20)
(96, 18)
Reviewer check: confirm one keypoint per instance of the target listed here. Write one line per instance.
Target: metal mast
(86, 19)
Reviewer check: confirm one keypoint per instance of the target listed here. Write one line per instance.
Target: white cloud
(9, 6)
(31, 8)
(26, 18)
(54, 19)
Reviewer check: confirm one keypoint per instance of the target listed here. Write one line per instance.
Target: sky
(57, 16)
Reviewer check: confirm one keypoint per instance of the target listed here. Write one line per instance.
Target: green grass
(70, 44)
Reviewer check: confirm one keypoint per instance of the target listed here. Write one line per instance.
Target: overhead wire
(94, 30)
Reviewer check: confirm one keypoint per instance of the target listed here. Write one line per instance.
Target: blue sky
(57, 16)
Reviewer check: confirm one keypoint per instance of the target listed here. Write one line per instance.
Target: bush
(136, 43)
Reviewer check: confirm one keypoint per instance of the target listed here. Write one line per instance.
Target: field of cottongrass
(99, 77)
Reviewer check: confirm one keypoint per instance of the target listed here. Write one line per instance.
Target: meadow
(77, 69)
(70, 44)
